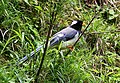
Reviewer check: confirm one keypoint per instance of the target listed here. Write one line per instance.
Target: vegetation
(24, 25)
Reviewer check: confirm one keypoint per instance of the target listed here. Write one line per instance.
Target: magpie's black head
(77, 25)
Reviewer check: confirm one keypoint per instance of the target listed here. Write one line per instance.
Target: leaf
(110, 73)
(34, 30)
(19, 34)
(8, 41)
(38, 7)
(26, 1)
(96, 71)
(30, 42)
(112, 17)
(111, 11)
(22, 38)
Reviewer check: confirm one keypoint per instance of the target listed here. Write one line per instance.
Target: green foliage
(24, 25)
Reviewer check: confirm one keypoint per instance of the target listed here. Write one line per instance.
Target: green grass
(24, 26)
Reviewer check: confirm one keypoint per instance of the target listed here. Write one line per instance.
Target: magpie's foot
(70, 47)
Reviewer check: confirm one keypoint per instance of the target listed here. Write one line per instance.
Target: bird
(67, 36)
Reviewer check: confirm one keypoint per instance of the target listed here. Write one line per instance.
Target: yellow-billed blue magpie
(68, 36)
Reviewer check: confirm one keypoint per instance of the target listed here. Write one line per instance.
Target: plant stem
(52, 19)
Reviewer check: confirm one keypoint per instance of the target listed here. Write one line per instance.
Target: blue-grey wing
(64, 35)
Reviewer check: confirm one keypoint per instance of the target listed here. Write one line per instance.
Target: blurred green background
(24, 26)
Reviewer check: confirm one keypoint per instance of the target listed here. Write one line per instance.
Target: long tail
(29, 56)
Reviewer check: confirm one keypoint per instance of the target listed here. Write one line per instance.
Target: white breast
(70, 42)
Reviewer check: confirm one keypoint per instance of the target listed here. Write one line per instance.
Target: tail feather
(30, 55)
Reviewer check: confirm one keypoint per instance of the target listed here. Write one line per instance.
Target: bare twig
(45, 49)
(53, 15)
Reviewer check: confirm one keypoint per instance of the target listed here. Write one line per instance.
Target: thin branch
(45, 49)
(53, 14)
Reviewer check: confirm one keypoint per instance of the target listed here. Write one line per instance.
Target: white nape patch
(74, 22)
(60, 35)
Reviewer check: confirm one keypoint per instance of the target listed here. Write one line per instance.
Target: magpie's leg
(70, 47)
